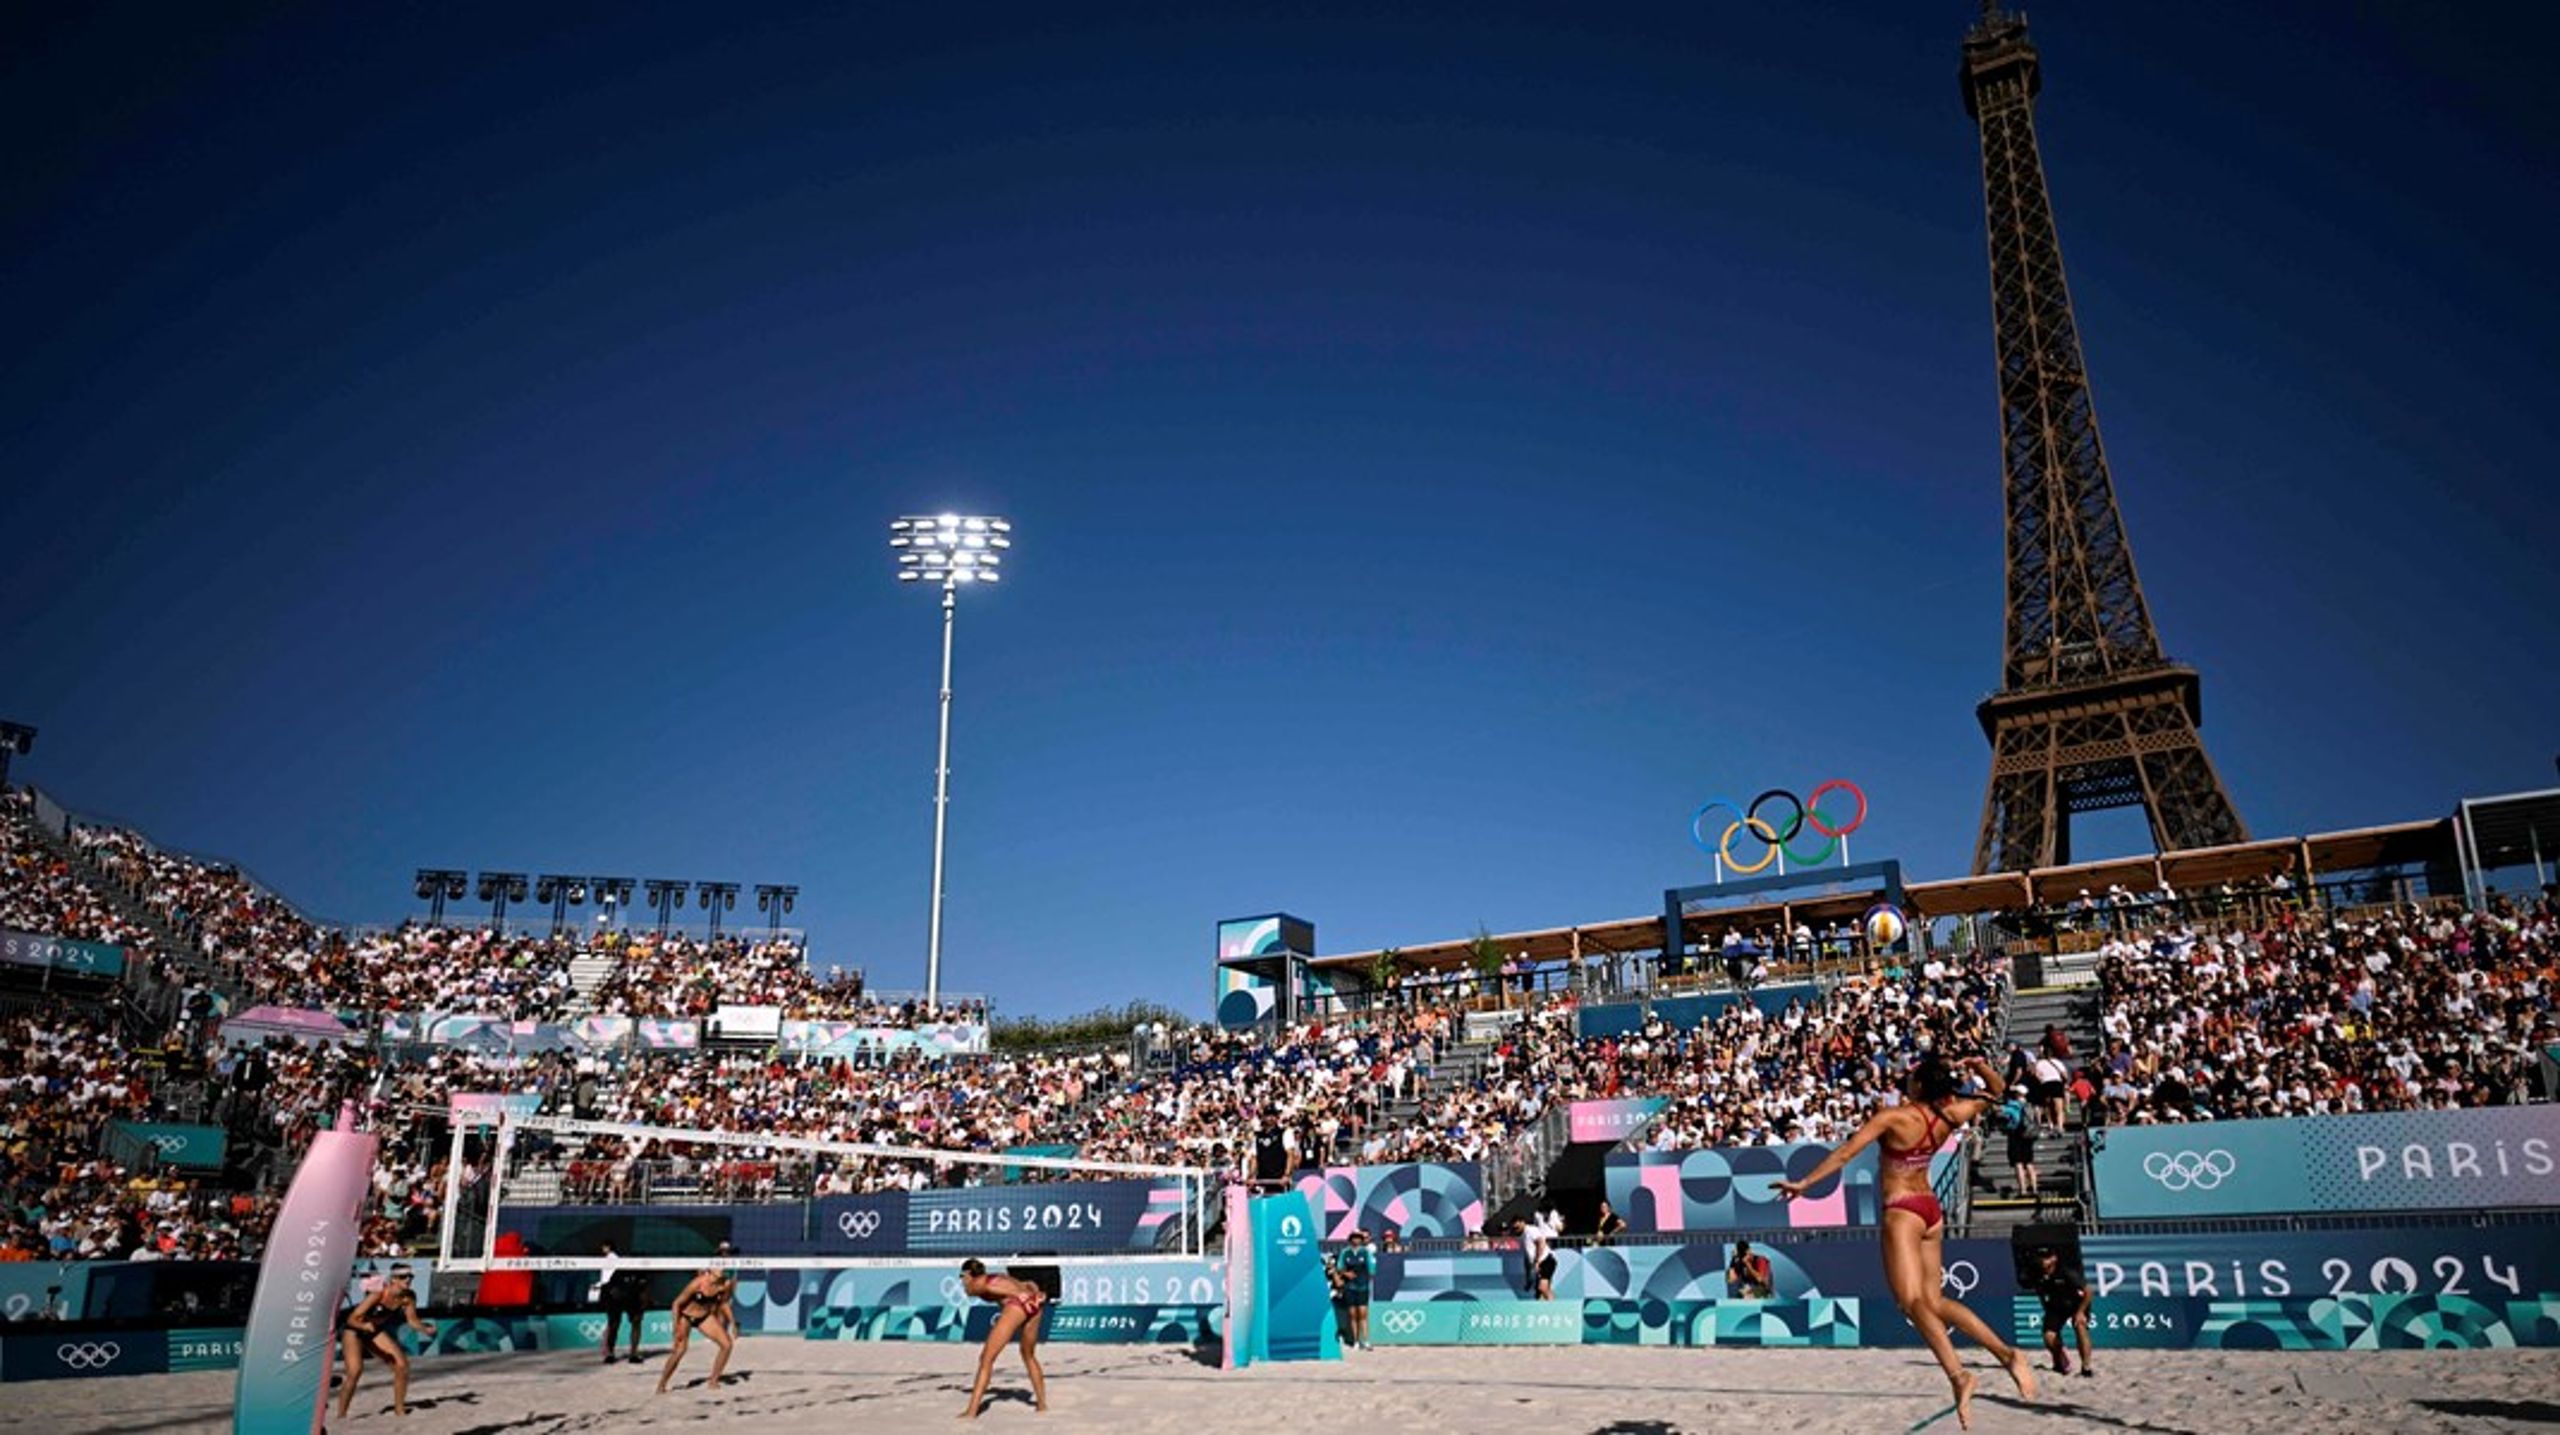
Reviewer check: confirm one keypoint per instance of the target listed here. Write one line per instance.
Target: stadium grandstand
(2264, 993)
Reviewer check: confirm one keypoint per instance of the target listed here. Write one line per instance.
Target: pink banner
(283, 1385)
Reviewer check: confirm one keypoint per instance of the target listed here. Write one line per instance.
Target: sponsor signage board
(2473, 1159)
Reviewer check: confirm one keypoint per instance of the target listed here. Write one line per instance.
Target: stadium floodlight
(716, 898)
(612, 895)
(439, 885)
(16, 740)
(774, 900)
(498, 889)
(951, 549)
(562, 892)
(665, 895)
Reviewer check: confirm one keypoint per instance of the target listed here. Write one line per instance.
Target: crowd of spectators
(2391, 1011)
(40, 894)
(2273, 1011)
(1811, 1070)
(675, 974)
(64, 1076)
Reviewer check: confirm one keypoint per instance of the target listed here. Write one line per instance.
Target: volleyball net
(552, 1193)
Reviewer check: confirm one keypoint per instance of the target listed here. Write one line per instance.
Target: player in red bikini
(1914, 1229)
(1017, 1320)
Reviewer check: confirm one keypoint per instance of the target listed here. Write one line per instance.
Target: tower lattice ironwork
(2090, 714)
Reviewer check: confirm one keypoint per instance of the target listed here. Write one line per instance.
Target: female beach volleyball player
(368, 1330)
(1017, 1319)
(1914, 1229)
(704, 1305)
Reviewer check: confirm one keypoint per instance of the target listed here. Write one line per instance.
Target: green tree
(1384, 968)
(1486, 955)
(1093, 1028)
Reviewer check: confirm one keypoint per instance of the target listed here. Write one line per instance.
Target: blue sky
(1446, 444)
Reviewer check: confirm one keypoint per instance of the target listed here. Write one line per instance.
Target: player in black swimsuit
(705, 1306)
(370, 1329)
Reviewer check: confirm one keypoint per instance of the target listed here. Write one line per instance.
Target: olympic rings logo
(2182, 1170)
(1775, 835)
(858, 1225)
(1960, 1277)
(88, 1355)
(1400, 1322)
(953, 1291)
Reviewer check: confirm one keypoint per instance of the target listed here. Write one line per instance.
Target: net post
(452, 1191)
(496, 1184)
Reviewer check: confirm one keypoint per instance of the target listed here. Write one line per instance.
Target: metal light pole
(952, 550)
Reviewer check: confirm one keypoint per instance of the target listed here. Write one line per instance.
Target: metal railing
(1520, 1162)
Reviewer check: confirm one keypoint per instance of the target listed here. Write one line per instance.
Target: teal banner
(2469, 1159)
(62, 954)
(42, 1290)
(214, 1349)
(197, 1148)
(1476, 1322)
(1293, 1303)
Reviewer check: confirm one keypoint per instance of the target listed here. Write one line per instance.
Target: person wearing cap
(370, 1330)
(2066, 1304)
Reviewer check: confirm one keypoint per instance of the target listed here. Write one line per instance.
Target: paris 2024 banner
(2478, 1159)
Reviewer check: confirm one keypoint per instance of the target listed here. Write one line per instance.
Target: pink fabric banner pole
(283, 1385)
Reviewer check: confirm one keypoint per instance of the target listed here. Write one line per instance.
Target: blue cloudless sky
(1446, 443)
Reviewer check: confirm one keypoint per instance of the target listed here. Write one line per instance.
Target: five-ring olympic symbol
(1401, 1322)
(88, 1355)
(2181, 1170)
(1960, 1277)
(1776, 834)
(858, 1225)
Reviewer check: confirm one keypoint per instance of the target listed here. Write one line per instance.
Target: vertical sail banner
(1292, 1301)
(311, 1251)
(1240, 1316)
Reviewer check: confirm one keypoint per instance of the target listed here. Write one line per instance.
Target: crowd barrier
(2384, 1288)
(1418, 1200)
(1611, 1121)
(169, 1143)
(2471, 1159)
(1681, 1013)
(61, 954)
(1735, 1188)
(815, 1040)
(1057, 1217)
(2408, 1287)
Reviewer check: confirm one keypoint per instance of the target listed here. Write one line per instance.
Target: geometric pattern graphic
(2325, 1323)
(1735, 1189)
(1418, 1200)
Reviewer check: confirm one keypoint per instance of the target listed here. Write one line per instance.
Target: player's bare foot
(1964, 1383)
(2023, 1371)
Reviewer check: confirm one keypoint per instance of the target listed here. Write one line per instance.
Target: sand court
(792, 1386)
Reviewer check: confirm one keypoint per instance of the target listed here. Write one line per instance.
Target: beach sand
(794, 1386)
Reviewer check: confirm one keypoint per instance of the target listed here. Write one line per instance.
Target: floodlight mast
(952, 549)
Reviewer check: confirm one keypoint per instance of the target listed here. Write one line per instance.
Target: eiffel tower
(2090, 714)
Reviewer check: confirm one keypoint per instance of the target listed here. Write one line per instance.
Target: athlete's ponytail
(1932, 1079)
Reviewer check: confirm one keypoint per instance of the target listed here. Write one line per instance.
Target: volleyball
(1885, 926)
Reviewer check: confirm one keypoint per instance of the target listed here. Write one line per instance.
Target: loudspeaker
(2027, 1240)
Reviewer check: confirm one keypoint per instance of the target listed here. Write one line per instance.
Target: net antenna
(993, 1204)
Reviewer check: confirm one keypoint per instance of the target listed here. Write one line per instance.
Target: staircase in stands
(2061, 1178)
(588, 973)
